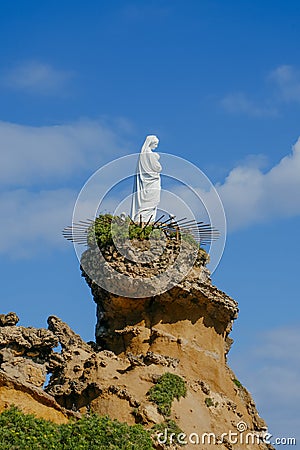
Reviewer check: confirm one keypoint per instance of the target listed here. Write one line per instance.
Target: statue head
(151, 143)
(154, 143)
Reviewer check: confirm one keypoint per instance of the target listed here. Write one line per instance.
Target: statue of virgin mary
(146, 191)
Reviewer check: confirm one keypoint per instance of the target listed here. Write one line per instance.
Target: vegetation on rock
(209, 402)
(237, 383)
(168, 387)
(20, 431)
(107, 228)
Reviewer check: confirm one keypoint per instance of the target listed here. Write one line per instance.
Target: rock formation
(26, 356)
(183, 331)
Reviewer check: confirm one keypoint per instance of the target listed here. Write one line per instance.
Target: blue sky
(82, 83)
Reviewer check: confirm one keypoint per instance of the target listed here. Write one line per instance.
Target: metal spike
(132, 222)
(158, 219)
(166, 221)
(188, 222)
(147, 223)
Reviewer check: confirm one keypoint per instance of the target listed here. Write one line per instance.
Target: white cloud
(287, 81)
(270, 370)
(251, 196)
(239, 103)
(30, 155)
(36, 164)
(36, 77)
(32, 222)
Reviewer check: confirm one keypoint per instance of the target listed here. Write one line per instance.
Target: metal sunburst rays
(203, 233)
(78, 232)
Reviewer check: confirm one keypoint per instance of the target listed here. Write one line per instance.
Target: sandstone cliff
(183, 331)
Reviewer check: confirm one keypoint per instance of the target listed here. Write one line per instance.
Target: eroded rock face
(184, 331)
(9, 319)
(154, 271)
(25, 353)
(191, 313)
(31, 400)
(86, 378)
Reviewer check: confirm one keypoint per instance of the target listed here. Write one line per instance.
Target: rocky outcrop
(31, 400)
(26, 356)
(25, 353)
(85, 378)
(140, 269)
(8, 319)
(183, 331)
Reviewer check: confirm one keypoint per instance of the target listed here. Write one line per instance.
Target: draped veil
(146, 191)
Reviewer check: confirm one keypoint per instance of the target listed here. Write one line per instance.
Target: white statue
(146, 191)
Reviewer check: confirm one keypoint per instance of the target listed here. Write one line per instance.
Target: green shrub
(106, 228)
(100, 231)
(189, 238)
(237, 383)
(96, 432)
(209, 402)
(168, 387)
(20, 431)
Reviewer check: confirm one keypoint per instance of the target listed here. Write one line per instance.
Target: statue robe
(146, 191)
